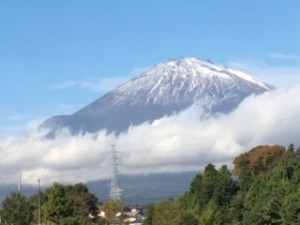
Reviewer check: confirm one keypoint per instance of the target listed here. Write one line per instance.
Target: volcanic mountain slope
(165, 89)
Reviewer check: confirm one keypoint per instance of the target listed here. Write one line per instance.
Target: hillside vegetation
(263, 189)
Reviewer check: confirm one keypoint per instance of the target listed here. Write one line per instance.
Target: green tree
(206, 187)
(83, 202)
(149, 216)
(291, 209)
(34, 202)
(212, 215)
(291, 148)
(189, 217)
(245, 179)
(168, 213)
(75, 220)
(237, 208)
(58, 206)
(16, 210)
(266, 192)
(271, 212)
(225, 187)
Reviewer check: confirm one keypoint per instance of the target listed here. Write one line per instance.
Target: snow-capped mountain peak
(184, 81)
(196, 67)
(166, 88)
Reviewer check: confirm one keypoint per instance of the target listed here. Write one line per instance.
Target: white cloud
(67, 108)
(277, 55)
(103, 84)
(14, 123)
(170, 144)
(99, 84)
(65, 85)
(279, 75)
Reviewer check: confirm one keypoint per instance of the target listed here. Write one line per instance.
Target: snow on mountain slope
(184, 81)
(162, 90)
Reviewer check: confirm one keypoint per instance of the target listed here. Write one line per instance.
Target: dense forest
(60, 204)
(263, 188)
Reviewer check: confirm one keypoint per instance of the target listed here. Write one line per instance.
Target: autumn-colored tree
(259, 160)
(111, 208)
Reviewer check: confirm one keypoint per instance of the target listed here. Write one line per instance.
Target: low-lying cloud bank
(171, 144)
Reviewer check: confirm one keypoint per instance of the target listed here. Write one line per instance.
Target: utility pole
(115, 191)
(39, 201)
(20, 183)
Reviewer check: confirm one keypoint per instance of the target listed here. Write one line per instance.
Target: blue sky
(58, 56)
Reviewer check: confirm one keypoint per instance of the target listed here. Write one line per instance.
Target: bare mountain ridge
(165, 89)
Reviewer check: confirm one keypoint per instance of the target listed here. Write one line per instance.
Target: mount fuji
(163, 90)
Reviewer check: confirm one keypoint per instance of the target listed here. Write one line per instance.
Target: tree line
(262, 189)
(60, 204)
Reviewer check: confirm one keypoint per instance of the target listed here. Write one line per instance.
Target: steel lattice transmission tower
(115, 191)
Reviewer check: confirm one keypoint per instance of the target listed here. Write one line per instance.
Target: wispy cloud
(279, 75)
(277, 55)
(65, 85)
(16, 117)
(67, 108)
(94, 84)
(13, 122)
(171, 144)
(99, 84)
(103, 84)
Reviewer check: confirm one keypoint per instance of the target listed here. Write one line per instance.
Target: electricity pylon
(115, 191)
